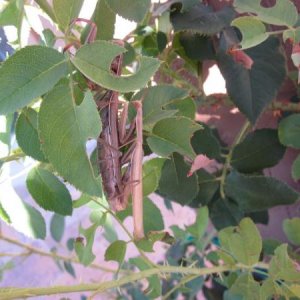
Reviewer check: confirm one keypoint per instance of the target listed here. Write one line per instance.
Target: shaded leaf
(84, 247)
(94, 61)
(22, 217)
(66, 11)
(204, 142)
(174, 182)
(199, 227)
(197, 46)
(153, 220)
(57, 227)
(266, 192)
(208, 185)
(49, 192)
(289, 131)
(134, 10)
(201, 18)
(69, 268)
(11, 14)
(224, 213)
(253, 89)
(252, 29)
(164, 141)
(64, 129)
(156, 98)
(259, 150)
(27, 134)
(244, 242)
(291, 228)
(283, 12)
(116, 252)
(151, 174)
(28, 74)
(185, 107)
(296, 168)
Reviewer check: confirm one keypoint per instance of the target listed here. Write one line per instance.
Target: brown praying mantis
(121, 171)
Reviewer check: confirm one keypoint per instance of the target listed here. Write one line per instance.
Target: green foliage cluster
(47, 103)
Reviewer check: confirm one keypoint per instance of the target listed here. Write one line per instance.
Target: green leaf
(48, 192)
(259, 150)
(289, 131)
(196, 46)
(69, 268)
(246, 287)
(66, 11)
(257, 193)
(116, 252)
(295, 290)
(199, 227)
(84, 248)
(94, 61)
(208, 185)
(11, 14)
(104, 19)
(252, 29)
(156, 98)
(3, 215)
(174, 182)
(269, 246)
(151, 174)
(296, 168)
(22, 217)
(201, 18)
(282, 267)
(224, 213)
(185, 107)
(155, 286)
(134, 10)
(64, 129)
(28, 74)
(153, 220)
(291, 228)
(204, 142)
(283, 12)
(57, 227)
(253, 89)
(292, 34)
(27, 134)
(244, 242)
(173, 135)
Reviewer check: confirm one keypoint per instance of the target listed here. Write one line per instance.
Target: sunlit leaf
(291, 228)
(116, 251)
(29, 73)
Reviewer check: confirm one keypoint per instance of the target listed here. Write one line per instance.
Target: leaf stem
(53, 255)
(12, 157)
(227, 163)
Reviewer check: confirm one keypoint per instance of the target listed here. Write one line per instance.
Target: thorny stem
(53, 255)
(227, 163)
(143, 255)
(14, 293)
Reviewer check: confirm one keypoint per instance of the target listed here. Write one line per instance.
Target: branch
(14, 293)
(229, 156)
(53, 255)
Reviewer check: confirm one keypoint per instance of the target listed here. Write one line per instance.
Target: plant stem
(226, 166)
(45, 6)
(53, 255)
(14, 293)
(12, 157)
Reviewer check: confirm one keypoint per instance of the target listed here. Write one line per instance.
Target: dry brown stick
(136, 175)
